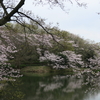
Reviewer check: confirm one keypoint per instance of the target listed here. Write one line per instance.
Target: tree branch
(7, 18)
(4, 8)
(41, 27)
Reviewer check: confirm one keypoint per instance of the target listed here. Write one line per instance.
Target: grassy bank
(36, 69)
(44, 70)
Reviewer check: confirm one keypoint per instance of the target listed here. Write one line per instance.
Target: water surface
(56, 87)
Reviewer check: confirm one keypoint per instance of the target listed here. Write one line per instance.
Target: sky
(82, 21)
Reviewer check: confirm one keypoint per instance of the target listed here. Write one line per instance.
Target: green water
(57, 87)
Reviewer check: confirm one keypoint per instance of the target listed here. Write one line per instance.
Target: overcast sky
(84, 22)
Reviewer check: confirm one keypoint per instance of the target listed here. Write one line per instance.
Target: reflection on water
(11, 91)
(58, 87)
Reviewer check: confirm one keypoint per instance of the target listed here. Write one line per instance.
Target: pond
(52, 87)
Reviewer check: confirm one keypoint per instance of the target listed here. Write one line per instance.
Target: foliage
(59, 50)
(37, 69)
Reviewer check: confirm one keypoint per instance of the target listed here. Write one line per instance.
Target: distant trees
(22, 49)
(54, 44)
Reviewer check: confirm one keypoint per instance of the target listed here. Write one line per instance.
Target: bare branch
(41, 27)
(7, 18)
(4, 8)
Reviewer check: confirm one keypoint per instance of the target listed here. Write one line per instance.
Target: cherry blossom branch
(41, 27)
(8, 16)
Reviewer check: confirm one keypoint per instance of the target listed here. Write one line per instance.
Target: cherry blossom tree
(6, 47)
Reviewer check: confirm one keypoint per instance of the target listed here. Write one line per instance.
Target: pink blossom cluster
(43, 39)
(51, 57)
(42, 43)
(7, 73)
(73, 58)
(94, 62)
(6, 47)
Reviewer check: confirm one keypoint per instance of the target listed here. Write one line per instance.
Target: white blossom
(51, 56)
(73, 58)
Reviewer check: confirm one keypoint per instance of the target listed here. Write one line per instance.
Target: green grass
(39, 71)
(44, 71)
(36, 69)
